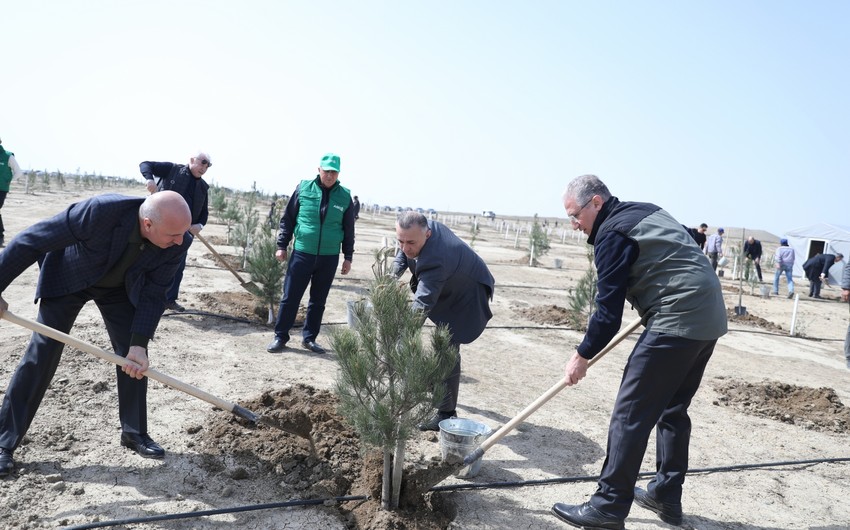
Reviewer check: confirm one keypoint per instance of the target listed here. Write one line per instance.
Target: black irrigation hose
(204, 513)
(562, 480)
(453, 487)
(207, 314)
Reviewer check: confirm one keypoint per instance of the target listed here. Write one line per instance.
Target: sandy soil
(767, 398)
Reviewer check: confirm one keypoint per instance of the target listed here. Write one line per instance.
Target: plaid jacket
(78, 246)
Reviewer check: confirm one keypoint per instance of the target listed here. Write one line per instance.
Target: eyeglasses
(205, 162)
(573, 218)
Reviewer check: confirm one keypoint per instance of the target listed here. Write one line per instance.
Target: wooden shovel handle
(220, 258)
(54, 334)
(537, 403)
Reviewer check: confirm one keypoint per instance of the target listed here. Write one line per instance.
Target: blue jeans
(787, 270)
(303, 269)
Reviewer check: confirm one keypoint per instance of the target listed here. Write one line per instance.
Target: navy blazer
(78, 246)
(454, 284)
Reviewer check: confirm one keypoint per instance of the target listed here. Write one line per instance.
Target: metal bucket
(765, 291)
(351, 317)
(558, 263)
(458, 438)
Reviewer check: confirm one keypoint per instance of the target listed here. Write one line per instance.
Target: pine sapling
(389, 380)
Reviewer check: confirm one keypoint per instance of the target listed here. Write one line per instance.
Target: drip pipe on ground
(562, 480)
(205, 513)
(452, 487)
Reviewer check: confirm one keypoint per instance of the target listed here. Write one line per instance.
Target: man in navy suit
(452, 286)
(122, 252)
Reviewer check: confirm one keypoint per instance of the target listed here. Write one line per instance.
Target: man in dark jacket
(752, 251)
(817, 271)
(120, 252)
(452, 286)
(187, 180)
(643, 256)
(320, 217)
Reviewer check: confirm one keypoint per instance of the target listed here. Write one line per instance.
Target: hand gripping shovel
(519, 418)
(167, 380)
(251, 287)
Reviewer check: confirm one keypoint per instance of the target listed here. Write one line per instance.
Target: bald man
(122, 253)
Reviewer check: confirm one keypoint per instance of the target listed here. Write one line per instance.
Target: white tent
(821, 238)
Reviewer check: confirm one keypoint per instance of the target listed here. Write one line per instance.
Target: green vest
(312, 235)
(5, 170)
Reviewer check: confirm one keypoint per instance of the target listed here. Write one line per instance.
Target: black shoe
(587, 517)
(2, 242)
(670, 513)
(312, 346)
(790, 295)
(142, 444)
(6, 462)
(433, 424)
(276, 346)
(174, 306)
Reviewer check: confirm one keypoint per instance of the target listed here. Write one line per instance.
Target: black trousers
(2, 201)
(41, 359)
(660, 378)
(452, 386)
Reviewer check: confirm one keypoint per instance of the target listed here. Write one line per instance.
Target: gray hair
(410, 218)
(583, 188)
(204, 155)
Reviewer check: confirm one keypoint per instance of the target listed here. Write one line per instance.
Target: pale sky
(733, 113)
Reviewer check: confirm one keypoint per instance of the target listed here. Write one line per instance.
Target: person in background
(187, 180)
(320, 217)
(752, 251)
(9, 169)
(451, 284)
(643, 256)
(817, 271)
(784, 259)
(845, 297)
(356, 205)
(714, 247)
(122, 253)
(699, 235)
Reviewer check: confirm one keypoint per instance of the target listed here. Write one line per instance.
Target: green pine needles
(389, 379)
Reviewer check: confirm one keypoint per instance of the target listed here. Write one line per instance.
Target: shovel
(38, 327)
(519, 418)
(251, 287)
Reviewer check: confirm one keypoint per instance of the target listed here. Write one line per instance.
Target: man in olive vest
(8, 170)
(643, 256)
(320, 218)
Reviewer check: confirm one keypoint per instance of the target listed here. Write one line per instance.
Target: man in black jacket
(752, 250)
(643, 256)
(817, 271)
(187, 180)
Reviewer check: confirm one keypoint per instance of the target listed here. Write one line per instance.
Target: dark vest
(671, 285)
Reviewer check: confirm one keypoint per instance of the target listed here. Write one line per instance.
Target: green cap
(330, 162)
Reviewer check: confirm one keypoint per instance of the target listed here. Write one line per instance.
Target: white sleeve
(16, 169)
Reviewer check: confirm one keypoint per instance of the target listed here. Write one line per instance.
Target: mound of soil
(241, 304)
(817, 409)
(551, 315)
(752, 320)
(235, 262)
(338, 466)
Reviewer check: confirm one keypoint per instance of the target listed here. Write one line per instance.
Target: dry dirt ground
(769, 443)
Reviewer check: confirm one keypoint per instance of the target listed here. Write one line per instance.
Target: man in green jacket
(8, 170)
(320, 218)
